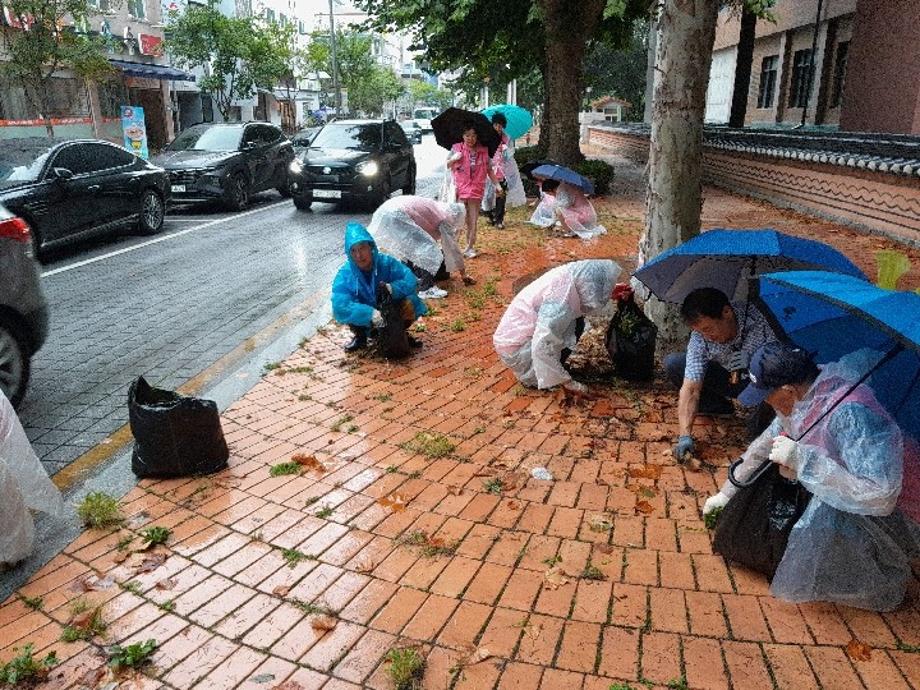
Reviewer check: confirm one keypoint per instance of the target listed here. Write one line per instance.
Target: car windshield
(22, 160)
(363, 137)
(204, 138)
(303, 137)
(408, 126)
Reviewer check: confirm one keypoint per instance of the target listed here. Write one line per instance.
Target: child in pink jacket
(470, 165)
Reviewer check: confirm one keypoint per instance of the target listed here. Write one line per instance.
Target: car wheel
(410, 182)
(152, 213)
(237, 194)
(303, 203)
(14, 361)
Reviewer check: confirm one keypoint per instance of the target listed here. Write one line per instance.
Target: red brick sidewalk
(418, 525)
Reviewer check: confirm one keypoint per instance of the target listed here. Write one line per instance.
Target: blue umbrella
(832, 315)
(519, 119)
(563, 174)
(726, 259)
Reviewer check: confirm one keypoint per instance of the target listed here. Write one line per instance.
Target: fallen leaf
(365, 566)
(92, 583)
(554, 578)
(151, 562)
(644, 507)
(645, 472)
(323, 622)
(513, 505)
(288, 685)
(166, 584)
(455, 490)
(263, 678)
(605, 549)
(83, 620)
(859, 651)
(396, 502)
(120, 557)
(600, 523)
(308, 461)
(91, 678)
(281, 591)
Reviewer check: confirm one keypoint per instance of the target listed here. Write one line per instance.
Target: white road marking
(161, 238)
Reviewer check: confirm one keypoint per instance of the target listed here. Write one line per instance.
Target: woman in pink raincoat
(470, 164)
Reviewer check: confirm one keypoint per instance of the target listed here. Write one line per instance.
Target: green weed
(324, 512)
(406, 669)
(284, 468)
(132, 656)
(430, 444)
(155, 535)
(25, 668)
(34, 603)
(98, 509)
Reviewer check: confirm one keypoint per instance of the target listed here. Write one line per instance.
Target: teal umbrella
(519, 119)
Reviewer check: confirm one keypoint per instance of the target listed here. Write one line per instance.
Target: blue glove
(684, 445)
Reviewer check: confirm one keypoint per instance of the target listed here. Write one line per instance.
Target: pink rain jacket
(470, 173)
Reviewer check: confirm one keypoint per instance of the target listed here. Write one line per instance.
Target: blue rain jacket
(354, 292)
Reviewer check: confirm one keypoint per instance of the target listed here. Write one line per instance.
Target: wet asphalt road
(170, 306)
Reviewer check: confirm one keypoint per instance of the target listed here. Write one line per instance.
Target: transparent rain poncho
(854, 543)
(505, 168)
(544, 214)
(24, 486)
(571, 208)
(420, 230)
(540, 321)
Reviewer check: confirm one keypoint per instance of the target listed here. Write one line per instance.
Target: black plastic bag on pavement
(754, 526)
(392, 338)
(174, 435)
(631, 339)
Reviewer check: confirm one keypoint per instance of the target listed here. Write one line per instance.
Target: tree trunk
(543, 140)
(743, 68)
(674, 196)
(569, 26)
(650, 70)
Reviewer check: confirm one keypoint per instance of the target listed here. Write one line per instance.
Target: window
(270, 15)
(301, 28)
(840, 73)
(395, 134)
(767, 81)
(137, 8)
(801, 79)
(88, 158)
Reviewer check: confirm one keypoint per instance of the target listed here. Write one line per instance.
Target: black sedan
(412, 130)
(354, 160)
(227, 163)
(68, 190)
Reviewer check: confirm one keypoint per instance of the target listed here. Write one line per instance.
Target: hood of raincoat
(356, 233)
(594, 281)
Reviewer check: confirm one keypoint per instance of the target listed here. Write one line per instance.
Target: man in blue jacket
(354, 290)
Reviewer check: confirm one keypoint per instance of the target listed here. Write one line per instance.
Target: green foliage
(406, 668)
(99, 509)
(620, 71)
(34, 603)
(155, 535)
(423, 93)
(292, 557)
(284, 468)
(132, 656)
(24, 668)
(678, 684)
(599, 172)
(84, 627)
(242, 53)
(431, 444)
(592, 572)
(892, 265)
(494, 486)
(324, 512)
(712, 518)
(32, 57)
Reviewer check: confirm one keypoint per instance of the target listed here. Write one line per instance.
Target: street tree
(423, 93)
(44, 44)
(238, 54)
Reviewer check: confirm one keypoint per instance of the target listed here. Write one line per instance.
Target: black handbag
(754, 526)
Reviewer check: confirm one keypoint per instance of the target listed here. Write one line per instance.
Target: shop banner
(135, 130)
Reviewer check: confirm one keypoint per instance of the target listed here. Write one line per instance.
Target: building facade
(864, 74)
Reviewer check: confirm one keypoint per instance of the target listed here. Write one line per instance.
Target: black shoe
(414, 342)
(359, 342)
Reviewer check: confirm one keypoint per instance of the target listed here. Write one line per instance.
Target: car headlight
(296, 167)
(368, 168)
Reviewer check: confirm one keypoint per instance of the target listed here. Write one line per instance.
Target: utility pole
(335, 61)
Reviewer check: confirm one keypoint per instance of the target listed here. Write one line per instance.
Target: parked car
(412, 130)
(67, 190)
(23, 311)
(227, 163)
(360, 160)
(301, 140)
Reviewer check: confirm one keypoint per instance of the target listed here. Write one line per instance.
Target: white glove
(785, 453)
(738, 361)
(377, 319)
(574, 386)
(720, 500)
(389, 288)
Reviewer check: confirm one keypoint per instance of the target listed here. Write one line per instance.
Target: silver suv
(23, 311)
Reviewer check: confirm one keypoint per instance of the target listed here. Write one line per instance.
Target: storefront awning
(140, 69)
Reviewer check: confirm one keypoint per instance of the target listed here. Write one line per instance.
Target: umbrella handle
(757, 474)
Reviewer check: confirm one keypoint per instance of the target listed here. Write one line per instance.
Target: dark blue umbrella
(726, 259)
(562, 174)
(832, 315)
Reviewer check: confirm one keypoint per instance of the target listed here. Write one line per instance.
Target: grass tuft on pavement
(99, 510)
(407, 667)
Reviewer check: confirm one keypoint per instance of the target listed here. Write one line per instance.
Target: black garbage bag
(392, 339)
(174, 435)
(631, 339)
(754, 526)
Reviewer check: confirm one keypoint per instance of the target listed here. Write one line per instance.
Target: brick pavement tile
(399, 609)
(711, 573)
(825, 623)
(538, 550)
(297, 641)
(790, 667)
(430, 618)
(592, 601)
(272, 670)
(332, 646)
(555, 678)
(464, 625)
(620, 653)
(703, 661)
(579, 646)
(235, 669)
(880, 672)
(244, 618)
(200, 661)
(867, 626)
(746, 666)
(477, 676)
(746, 618)
(668, 610)
(661, 656)
(273, 626)
(833, 668)
(556, 600)
(455, 577)
(287, 576)
(368, 602)
(630, 607)
(641, 567)
(518, 676)
(502, 633)
(909, 665)
(706, 615)
(306, 679)
(488, 583)
(311, 587)
(521, 590)
(785, 621)
(364, 657)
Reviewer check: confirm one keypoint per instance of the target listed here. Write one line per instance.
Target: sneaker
(359, 342)
(469, 253)
(500, 226)
(433, 293)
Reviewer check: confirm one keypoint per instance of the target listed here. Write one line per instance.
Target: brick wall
(878, 202)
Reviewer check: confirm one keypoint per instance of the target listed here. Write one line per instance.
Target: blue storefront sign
(135, 130)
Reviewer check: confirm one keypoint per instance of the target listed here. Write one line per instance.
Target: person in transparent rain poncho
(24, 487)
(569, 207)
(422, 233)
(854, 543)
(542, 324)
(508, 176)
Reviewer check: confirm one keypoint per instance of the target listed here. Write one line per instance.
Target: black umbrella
(449, 127)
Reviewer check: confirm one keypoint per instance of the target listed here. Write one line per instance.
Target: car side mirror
(61, 173)
(248, 146)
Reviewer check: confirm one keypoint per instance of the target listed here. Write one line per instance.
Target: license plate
(179, 188)
(327, 194)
